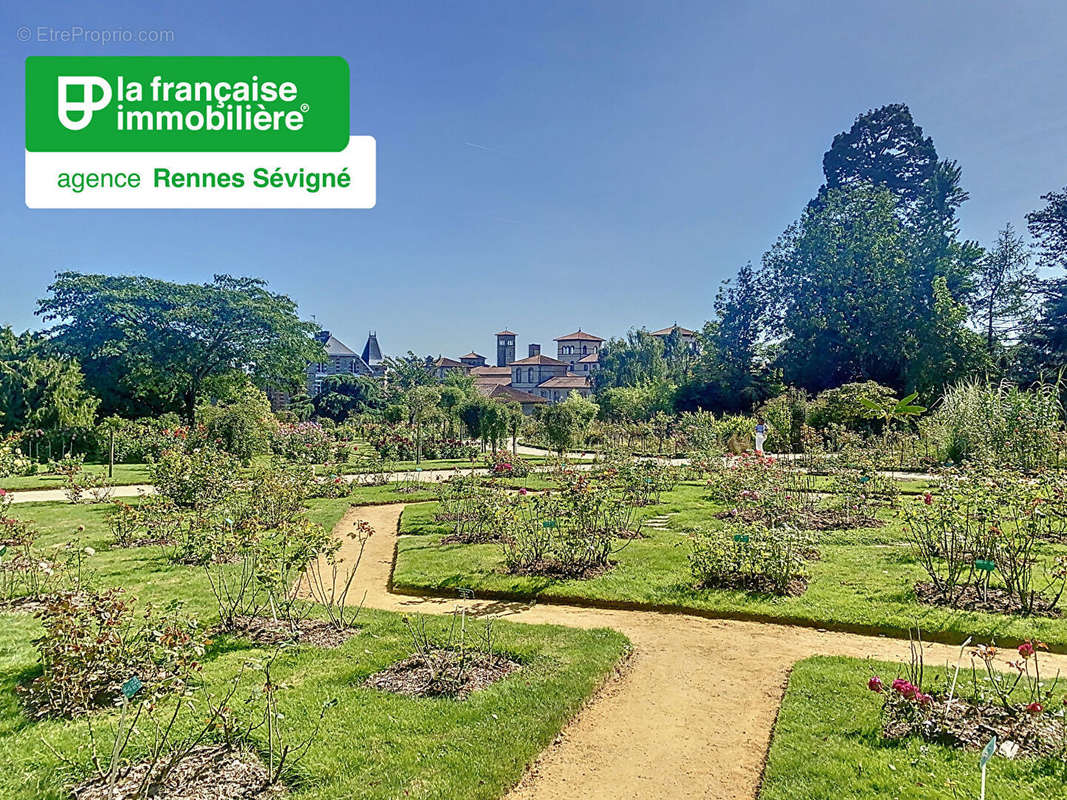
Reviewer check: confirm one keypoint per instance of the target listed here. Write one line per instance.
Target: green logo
(180, 104)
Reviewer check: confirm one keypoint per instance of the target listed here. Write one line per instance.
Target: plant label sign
(132, 687)
(741, 537)
(985, 566)
(988, 751)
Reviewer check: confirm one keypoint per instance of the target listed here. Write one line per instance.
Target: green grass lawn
(827, 744)
(372, 744)
(862, 581)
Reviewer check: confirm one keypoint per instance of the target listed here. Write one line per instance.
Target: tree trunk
(190, 408)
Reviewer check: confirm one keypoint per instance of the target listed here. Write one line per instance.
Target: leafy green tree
(38, 392)
(637, 403)
(420, 402)
(566, 423)
(146, 342)
(732, 372)
(403, 373)
(345, 395)
(242, 427)
(637, 358)
(1003, 287)
(485, 419)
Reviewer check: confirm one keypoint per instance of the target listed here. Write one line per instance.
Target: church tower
(505, 348)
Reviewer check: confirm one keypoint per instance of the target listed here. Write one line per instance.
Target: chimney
(535, 350)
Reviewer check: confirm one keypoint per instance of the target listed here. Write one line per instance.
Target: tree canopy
(149, 345)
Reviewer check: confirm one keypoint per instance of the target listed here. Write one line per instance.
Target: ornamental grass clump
(1011, 699)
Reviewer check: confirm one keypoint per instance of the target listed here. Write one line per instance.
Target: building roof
(372, 353)
(472, 354)
(491, 372)
(675, 327)
(335, 348)
(511, 394)
(578, 335)
(565, 382)
(592, 358)
(506, 332)
(486, 385)
(538, 359)
(448, 363)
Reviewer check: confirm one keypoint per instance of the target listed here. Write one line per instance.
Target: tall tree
(1003, 286)
(142, 336)
(43, 393)
(638, 358)
(849, 302)
(1047, 337)
(345, 394)
(884, 148)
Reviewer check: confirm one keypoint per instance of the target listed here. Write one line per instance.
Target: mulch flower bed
(209, 772)
(470, 537)
(824, 519)
(553, 569)
(995, 600)
(963, 724)
(270, 631)
(24, 605)
(438, 674)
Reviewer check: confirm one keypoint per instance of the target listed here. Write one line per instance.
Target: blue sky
(552, 165)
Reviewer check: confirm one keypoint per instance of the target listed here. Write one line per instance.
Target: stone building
(340, 359)
(580, 351)
(687, 337)
(473, 359)
(505, 347)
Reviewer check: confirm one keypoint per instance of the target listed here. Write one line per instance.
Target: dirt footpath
(691, 716)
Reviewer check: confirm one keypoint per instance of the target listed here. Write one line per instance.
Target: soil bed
(270, 631)
(996, 600)
(438, 674)
(970, 727)
(553, 569)
(824, 519)
(209, 772)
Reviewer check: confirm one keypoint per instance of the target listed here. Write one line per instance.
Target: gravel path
(692, 714)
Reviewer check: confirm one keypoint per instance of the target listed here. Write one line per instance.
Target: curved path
(692, 714)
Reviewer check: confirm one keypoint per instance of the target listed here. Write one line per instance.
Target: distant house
(340, 359)
(549, 380)
(372, 354)
(688, 337)
(509, 394)
(580, 351)
(443, 366)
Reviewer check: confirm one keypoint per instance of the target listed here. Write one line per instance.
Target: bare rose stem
(952, 689)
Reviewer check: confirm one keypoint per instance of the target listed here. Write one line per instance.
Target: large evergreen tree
(1046, 338)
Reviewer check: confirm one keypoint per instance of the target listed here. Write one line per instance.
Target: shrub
(749, 556)
(197, 479)
(93, 643)
(243, 428)
(305, 443)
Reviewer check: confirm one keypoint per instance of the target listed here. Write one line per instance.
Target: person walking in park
(761, 434)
